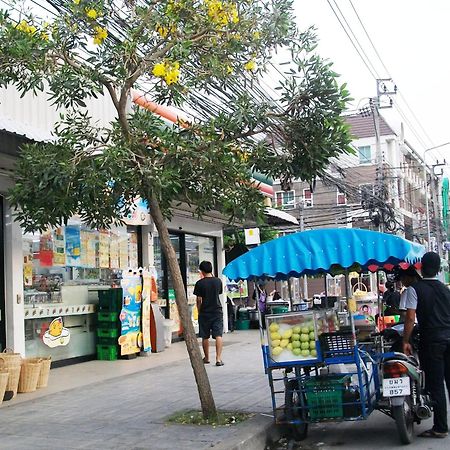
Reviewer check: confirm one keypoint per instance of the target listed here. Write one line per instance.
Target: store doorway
(2, 281)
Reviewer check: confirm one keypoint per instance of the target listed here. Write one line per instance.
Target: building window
(307, 198)
(285, 199)
(341, 198)
(365, 154)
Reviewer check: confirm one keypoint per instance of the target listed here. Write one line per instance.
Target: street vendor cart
(317, 368)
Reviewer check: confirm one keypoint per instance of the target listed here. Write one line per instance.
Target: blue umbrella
(320, 251)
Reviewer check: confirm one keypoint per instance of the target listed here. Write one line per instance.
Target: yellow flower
(229, 70)
(92, 13)
(250, 65)
(100, 35)
(77, 2)
(44, 36)
(159, 70)
(25, 28)
(172, 77)
(256, 35)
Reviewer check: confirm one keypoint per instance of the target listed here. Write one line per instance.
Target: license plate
(396, 387)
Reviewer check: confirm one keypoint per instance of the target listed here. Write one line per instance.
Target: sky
(412, 38)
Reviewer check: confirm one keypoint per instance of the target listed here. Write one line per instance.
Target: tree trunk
(201, 377)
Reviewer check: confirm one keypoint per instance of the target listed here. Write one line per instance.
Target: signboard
(56, 335)
(130, 340)
(252, 236)
(140, 214)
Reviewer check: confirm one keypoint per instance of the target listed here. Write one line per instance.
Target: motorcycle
(403, 385)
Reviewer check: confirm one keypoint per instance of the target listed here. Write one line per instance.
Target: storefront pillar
(147, 246)
(15, 329)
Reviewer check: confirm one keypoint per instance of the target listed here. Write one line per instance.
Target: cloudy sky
(412, 38)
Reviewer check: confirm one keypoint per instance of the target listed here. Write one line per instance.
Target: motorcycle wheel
(404, 419)
(292, 394)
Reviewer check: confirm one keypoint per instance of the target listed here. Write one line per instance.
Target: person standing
(210, 315)
(391, 298)
(429, 300)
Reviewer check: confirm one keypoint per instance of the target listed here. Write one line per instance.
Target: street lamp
(427, 209)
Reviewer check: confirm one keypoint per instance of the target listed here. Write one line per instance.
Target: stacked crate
(108, 324)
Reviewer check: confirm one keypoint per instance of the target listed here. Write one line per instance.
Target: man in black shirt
(210, 315)
(429, 300)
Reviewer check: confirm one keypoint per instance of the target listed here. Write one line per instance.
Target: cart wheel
(404, 419)
(292, 394)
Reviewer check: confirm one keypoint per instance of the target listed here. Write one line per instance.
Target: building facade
(59, 273)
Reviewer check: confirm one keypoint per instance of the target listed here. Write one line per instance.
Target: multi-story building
(365, 190)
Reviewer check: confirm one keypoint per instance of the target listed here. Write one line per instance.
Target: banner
(103, 249)
(130, 340)
(146, 307)
(73, 246)
(59, 247)
(46, 249)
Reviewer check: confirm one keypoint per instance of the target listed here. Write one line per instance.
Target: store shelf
(58, 310)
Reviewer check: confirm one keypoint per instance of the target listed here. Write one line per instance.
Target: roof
(278, 217)
(22, 129)
(363, 127)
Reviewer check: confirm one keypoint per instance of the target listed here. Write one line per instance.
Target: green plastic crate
(324, 396)
(107, 341)
(107, 316)
(110, 300)
(107, 352)
(108, 333)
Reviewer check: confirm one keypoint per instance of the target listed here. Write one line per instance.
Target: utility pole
(385, 88)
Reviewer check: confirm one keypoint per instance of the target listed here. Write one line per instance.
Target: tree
(206, 56)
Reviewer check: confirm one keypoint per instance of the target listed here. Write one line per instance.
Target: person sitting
(391, 298)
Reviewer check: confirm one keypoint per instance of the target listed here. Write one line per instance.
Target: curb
(253, 434)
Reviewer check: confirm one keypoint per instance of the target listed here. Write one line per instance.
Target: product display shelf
(108, 324)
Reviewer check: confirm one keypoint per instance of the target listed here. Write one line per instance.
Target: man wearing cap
(429, 300)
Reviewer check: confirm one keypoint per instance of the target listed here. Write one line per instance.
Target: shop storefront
(190, 249)
(2, 284)
(63, 271)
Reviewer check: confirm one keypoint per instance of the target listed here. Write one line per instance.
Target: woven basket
(4, 375)
(45, 372)
(10, 359)
(13, 380)
(29, 375)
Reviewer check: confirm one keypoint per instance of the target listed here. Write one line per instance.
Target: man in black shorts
(210, 315)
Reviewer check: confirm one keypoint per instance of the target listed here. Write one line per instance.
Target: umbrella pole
(347, 294)
(261, 330)
(290, 292)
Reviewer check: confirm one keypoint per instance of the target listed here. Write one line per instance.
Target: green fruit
(304, 337)
(277, 351)
(295, 337)
(275, 335)
(276, 343)
(289, 346)
(296, 330)
(305, 352)
(284, 343)
(296, 344)
(296, 351)
(313, 353)
(304, 346)
(274, 327)
(312, 336)
(311, 328)
(305, 330)
(312, 345)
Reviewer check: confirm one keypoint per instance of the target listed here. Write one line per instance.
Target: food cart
(317, 368)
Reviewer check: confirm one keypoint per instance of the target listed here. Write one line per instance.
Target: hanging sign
(140, 214)
(252, 236)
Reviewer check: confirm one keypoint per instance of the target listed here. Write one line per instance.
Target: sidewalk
(123, 404)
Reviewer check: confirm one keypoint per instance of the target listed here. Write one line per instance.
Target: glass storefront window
(190, 250)
(63, 270)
